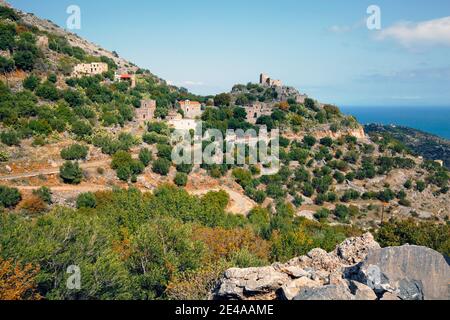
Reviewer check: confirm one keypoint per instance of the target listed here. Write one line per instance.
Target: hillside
(423, 144)
(87, 176)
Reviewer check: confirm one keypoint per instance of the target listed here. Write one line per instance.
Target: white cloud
(425, 33)
(193, 83)
(347, 28)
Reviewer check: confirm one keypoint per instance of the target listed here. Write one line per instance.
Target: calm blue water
(434, 120)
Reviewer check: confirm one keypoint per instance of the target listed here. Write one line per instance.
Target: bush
(9, 197)
(161, 166)
(164, 151)
(74, 152)
(420, 186)
(310, 141)
(322, 214)
(10, 138)
(45, 194)
(71, 173)
(81, 129)
(342, 213)
(24, 60)
(31, 82)
(47, 91)
(181, 179)
(86, 200)
(53, 78)
(327, 141)
(428, 234)
(145, 155)
(4, 156)
(6, 65)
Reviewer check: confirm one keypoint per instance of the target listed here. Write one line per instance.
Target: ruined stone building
(147, 111)
(89, 69)
(173, 115)
(256, 110)
(191, 109)
(265, 80)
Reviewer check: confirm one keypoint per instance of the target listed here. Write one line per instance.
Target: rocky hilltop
(358, 269)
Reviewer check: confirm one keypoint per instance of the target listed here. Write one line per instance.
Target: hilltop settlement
(87, 180)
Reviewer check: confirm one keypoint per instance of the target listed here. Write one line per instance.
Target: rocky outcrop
(410, 272)
(358, 269)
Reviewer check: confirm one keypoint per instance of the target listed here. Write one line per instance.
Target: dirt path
(46, 172)
(239, 204)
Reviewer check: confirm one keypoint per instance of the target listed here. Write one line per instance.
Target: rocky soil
(358, 269)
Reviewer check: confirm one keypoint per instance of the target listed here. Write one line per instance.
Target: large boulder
(329, 292)
(242, 283)
(409, 272)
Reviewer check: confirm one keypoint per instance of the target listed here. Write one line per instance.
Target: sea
(435, 120)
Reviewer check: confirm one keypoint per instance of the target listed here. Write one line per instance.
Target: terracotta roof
(191, 103)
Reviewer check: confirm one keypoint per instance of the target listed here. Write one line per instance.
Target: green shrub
(181, 179)
(10, 138)
(45, 194)
(9, 197)
(86, 200)
(161, 166)
(31, 82)
(71, 173)
(4, 156)
(145, 155)
(342, 213)
(427, 234)
(81, 129)
(322, 214)
(6, 65)
(75, 152)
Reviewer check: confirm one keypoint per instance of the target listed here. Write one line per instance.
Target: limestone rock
(330, 292)
(411, 272)
(290, 290)
(362, 292)
(354, 250)
(239, 283)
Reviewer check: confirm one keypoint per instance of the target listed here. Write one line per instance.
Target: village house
(191, 109)
(89, 69)
(173, 115)
(146, 112)
(256, 110)
(130, 78)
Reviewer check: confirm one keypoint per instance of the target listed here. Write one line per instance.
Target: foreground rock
(358, 269)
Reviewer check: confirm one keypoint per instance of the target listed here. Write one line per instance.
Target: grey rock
(362, 292)
(330, 292)
(410, 272)
(290, 290)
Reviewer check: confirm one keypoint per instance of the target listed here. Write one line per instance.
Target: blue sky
(321, 47)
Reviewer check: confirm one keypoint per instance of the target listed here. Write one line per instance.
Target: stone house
(147, 111)
(89, 69)
(131, 78)
(265, 80)
(191, 109)
(256, 110)
(173, 115)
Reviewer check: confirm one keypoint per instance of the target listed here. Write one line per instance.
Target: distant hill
(424, 144)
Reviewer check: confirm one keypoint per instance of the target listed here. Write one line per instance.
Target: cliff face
(358, 269)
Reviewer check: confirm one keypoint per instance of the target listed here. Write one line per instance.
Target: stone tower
(264, 79)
